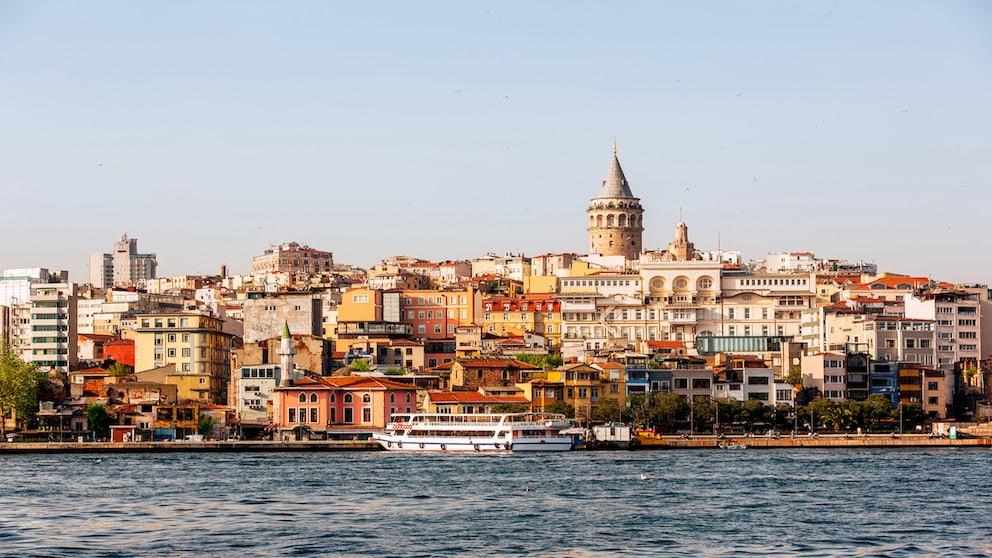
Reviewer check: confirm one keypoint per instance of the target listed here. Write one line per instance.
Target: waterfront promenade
(172, 447)
(671, 443)
(829, 441)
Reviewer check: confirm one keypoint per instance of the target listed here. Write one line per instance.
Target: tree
(753, 411)
(543, 361)
(857, 411)
(795, 377)
(206, 425)
(18, 385)
(668, 407)
(836, 415)
(118, 369)
(703, 409)
(361, 365)
(637, 409)
(912, 415)
(99, 420)
(606, 409)
(560, 407)
(822, 410)
(879, 407)
(510, 408)
(393, 371)
(729, 410)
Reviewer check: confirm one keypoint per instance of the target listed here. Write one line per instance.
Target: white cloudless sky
(445, 130)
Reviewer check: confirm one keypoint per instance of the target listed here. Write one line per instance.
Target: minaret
(286, 352)
(615, 216)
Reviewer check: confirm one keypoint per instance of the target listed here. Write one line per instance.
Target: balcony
(567, 306)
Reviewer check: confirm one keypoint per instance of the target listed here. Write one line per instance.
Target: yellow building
(535, 313)
(195, 344)
(360, 305)
(614, 378)
(583, 385)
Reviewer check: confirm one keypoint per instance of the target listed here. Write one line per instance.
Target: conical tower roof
(615, 184)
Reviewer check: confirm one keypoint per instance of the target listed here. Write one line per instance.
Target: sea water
(787, 502)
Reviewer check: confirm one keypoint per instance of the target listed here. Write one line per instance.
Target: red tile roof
(666, 344)
(498, 363)
(472, 397)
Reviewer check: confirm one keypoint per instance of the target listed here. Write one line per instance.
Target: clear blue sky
(444, 130)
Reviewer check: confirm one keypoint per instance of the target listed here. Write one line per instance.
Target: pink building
(324, 404)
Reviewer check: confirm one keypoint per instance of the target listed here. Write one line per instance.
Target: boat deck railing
(463, 419)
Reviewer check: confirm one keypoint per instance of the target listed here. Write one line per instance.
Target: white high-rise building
(124, 267)
(43, 327)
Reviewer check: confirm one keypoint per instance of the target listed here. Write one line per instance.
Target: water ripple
(689, 503)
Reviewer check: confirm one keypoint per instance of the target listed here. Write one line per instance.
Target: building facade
(123, 267)
(195, 344)
(615, 216)
(293, 258)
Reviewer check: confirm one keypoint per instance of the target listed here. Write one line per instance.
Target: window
(313, 415)
(360, 298)
(366, 398)
(366, 415)
(349, 415)
(700, 383)
(910, 343)
(348, 398)
(313, 397)
(681, 383)
(292, 414)
(303, 398)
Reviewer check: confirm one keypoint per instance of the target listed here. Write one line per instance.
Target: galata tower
(615, 216)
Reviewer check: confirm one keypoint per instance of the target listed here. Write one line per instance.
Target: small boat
(649, 439)
(502, 432)
(732, 446)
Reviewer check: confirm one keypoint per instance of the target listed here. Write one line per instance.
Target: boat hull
(470, 445)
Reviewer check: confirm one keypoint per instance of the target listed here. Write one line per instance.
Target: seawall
(830, 441)
(167, 447)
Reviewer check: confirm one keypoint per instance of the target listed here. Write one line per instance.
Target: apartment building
(195, 344)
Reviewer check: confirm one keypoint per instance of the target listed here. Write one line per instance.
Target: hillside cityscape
(673, 339)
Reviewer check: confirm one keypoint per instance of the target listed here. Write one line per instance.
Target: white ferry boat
(501, 432)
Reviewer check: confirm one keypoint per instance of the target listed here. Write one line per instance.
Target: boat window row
(449, 433)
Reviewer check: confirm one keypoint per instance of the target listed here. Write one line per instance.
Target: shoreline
(178, 447)
(874, 441)
(829, 441)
